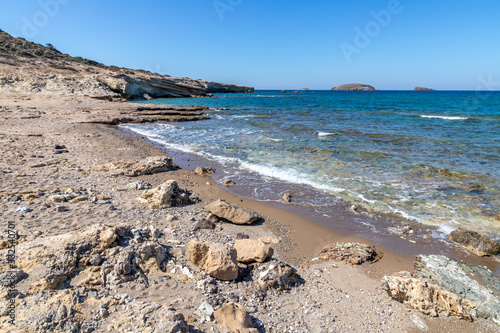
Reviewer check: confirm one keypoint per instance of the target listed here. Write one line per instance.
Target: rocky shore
(112, 236)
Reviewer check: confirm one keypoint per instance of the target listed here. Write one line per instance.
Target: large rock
(235, 318)
(216, 259)
(204, 171)
(457, 288)
(276, 275)
(252, 250)
(166, 195)
(148, 166)
(232, 213)
(354, 253)
(475, 243)
(354, 87)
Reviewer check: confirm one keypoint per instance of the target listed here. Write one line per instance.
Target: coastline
(27, 131)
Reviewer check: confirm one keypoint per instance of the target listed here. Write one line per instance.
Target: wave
(445, 117)
(324, 133)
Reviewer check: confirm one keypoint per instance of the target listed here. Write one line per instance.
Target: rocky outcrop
(252, 250)
(214, 87)
(475, 243)
(231, 213)
(423, 89)
(235, 318)
(354, 87)
(167, 195)
(440, 285)
(148, 166)
(354, 253)
(216, 259)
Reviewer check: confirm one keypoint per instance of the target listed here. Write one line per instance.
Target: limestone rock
(166, 195)
(232, 213)
(425, 297)
(216, 259)
(235, 318)
(204, 171)
(287, 197)
(354, 87)
(228, 182)
(252, 250)
(354, 253)
(140, 185)
(148, 166)
(475, 243)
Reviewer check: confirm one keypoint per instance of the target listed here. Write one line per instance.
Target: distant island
(423, 89)
(354, 87)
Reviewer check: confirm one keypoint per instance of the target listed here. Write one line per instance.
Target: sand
(336, 297)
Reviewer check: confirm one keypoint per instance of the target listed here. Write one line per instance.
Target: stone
(166, 195)
(148, 166)
(140, 185)
(228, 182)
(61, 209)
(216, 259)
(235, 318)
(11, 276)
(276, 275)
(440, 285)
(287, 197)
(23, 209)
(231, 213)
(475, 243)
(95, 259)
(205, 224)
(57, 198)
(78, 199)
(252, 250)
(241, 235)
(354, 253)
(59, 147)
(107, 237)
(205, 311)
(204, 171)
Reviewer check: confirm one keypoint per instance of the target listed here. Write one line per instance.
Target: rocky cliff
(354, 87)
(34, 68)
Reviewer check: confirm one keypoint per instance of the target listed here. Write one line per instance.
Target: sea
(428, 159)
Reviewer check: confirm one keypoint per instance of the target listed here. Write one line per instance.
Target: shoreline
(331, 290)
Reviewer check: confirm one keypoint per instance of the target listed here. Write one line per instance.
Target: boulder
(216, 259)
(148, 166)
(166, 195)
(276, 275)
(228, 182)
(354, 253)
(440, 285)
(235, 318)
(475, 243)
(204, 171)
(231, 213)
(252, 250)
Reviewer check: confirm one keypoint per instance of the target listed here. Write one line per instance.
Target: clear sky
(291, 44)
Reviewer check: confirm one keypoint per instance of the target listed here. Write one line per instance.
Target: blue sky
(278, 44)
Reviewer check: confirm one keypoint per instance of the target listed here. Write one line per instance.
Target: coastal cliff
(27, 67)
(354, 87)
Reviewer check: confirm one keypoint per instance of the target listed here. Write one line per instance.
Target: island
(423, 89)
(354, 87)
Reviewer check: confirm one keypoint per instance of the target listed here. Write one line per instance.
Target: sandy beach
(330, 296)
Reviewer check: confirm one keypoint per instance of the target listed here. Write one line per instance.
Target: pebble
(23, 209)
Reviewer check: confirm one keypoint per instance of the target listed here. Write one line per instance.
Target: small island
(423, 89)
(354, 87)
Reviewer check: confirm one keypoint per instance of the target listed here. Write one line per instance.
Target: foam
(444, 117)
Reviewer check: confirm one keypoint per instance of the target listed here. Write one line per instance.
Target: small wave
(324, 133)
(445, 117)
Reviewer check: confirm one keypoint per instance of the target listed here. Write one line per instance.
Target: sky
(390, 44)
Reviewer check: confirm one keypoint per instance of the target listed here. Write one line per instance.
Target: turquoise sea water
(429, 157)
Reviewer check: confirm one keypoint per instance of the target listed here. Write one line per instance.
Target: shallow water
(429, 157)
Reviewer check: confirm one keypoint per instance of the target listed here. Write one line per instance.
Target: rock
(205, 224)
(423, 89)
(147, 97)
(23, 209)
(78, 199)
(140, 185)
(475, 243)
(354, 87)
(205, 311)
(59, 147)
(216, 259)
(11, 276)
(204, 171)
(419, 323)
(282, 91)
(57, 198)
(277, 275)
(107, 237)
(252, 250)
(228, 182)
(61, 151)
(234, 317)
(440, 285)
(241, 235)
(95, 259)
(354, 253)
(231, 213)
(61, 209)
(269, 240)
(166, 195)
(148, 166)
(287, 197)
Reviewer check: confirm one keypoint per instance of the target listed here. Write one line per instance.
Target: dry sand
(335, 297)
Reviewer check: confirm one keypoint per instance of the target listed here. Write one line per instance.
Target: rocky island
(354, 87)
(112, 235)
(423, 89)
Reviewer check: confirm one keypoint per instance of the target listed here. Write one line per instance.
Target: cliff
(34, 68)
(354, 87)
(423, 89)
